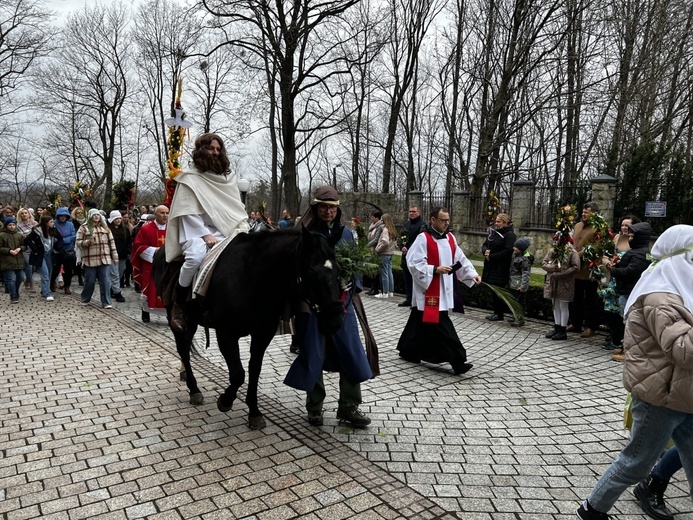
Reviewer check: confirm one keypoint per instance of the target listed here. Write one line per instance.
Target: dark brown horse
(257, 277)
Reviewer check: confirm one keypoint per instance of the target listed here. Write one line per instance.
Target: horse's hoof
(256, 423)
(222, 407)
(183, 376)
(197, 398)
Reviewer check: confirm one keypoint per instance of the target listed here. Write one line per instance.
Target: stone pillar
(415, 198)
(523, 200)
(460, 210)
(604, 194)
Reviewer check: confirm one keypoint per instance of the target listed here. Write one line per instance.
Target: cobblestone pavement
(94, 423)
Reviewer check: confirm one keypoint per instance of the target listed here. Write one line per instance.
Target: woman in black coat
(498, 254)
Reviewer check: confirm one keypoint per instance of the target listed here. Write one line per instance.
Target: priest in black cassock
(433, 259)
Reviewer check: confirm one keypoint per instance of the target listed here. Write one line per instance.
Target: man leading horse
(206, 208)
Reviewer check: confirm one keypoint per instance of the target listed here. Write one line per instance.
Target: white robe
(422, 272)
(204, 203)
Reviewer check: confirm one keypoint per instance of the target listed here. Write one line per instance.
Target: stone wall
(603, 193)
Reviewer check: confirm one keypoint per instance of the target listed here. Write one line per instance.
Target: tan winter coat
(582, 235)
(658, 345)
(560, 280)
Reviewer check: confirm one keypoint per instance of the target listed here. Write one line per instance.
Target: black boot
(650, 495)
(179, 320)
(560, 334)
(552, 333)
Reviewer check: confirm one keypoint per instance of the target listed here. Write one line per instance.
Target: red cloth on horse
(149, 235)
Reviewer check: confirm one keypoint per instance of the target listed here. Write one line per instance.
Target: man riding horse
(206, 208)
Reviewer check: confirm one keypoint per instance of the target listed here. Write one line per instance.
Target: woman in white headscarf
(658, 370)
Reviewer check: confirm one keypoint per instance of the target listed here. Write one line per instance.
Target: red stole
(149, 235)
(431, 312)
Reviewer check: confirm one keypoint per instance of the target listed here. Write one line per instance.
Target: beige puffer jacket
(658, 345)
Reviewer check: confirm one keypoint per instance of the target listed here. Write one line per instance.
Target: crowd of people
(645, 297)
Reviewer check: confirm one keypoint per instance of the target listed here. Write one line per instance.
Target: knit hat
(92, 212)
(10, 220)
(522, 244)
(114, 215)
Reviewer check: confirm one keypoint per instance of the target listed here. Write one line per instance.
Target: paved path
(94, 423)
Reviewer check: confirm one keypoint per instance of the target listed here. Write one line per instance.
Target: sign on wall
(656, 208)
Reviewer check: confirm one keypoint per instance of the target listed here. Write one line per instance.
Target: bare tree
(90, 72)
(166, 37)
(297, 42)
(24, 35)
(409, 24)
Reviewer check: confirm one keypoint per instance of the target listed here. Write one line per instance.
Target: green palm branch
(512, 303)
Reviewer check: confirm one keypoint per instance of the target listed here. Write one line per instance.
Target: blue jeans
(653, 426)
(45, 272)
(115, 272)
(90, 275)
(28, 268)
(387, 282)
(669, 464)
(13, 278)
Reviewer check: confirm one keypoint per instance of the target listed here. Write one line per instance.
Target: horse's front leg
(183, 345)
(258, 346)
(228, 345)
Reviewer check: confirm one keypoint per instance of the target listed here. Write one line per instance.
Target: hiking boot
(650, 497)
(552, 333)
(591, 514)
(353, 416)
(315, 418)
(560, 334)
(587, 333)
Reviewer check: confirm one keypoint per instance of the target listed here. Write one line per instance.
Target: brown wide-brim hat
(322, 195)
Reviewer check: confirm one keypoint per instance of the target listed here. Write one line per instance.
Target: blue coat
(342, 352)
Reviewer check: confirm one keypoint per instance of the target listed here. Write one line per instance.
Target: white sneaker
(50, 299)
(108, 306)
(381, 295)
(390, 295)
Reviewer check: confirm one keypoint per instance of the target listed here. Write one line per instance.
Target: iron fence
(547, 201)
(478, 218)
(677, 196)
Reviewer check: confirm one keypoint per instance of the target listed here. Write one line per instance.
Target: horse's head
(319, 274)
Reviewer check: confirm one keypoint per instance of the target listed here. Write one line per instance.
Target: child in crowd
(560, 263)
(11, 258)
(520, 269)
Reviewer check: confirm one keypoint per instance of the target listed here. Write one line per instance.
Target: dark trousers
(520, 297)
(67, 263)
(499, 306)
(408, 282)
(586, 307)
(616, 327)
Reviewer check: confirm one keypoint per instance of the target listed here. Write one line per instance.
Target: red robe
(149, 235)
